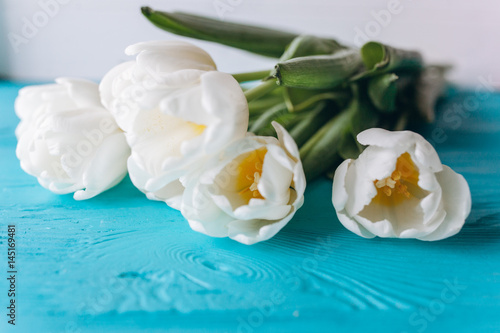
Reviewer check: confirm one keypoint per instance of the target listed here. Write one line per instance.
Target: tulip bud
(68, 140)
(320, 71)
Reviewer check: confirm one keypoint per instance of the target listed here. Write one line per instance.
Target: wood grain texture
(120, 263)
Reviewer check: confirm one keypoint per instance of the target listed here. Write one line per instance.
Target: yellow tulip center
(249, 174)
(196, 128)
(174, 131)
(401, 185)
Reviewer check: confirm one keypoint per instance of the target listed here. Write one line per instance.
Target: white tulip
(68, 140)
(176, 110)
(249, 192)
(398, 188)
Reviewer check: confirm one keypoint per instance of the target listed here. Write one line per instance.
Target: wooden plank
(119, 262)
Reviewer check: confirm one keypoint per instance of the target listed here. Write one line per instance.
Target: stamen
(401, 185)
(405, 170)
(245, 190)
(396, 175)
(390, 182)
(250, 173)
(403, 189)
(256, 178)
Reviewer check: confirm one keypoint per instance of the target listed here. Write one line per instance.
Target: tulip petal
(169, 56)
(359, 187)
(287, 141)
(202, 213)
(385, 139)
(107, 168)
(274, 184)
(354, 226)
(456, 201)
(339, 192)
(299, 185)
(261, 209)
(171, 194)
(253, 231)
(84, 93)
(223, 99)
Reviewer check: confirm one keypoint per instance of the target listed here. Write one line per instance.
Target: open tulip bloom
(175, 110)
(250, 191)
(68, 140)
(193, 137)
(398, 188)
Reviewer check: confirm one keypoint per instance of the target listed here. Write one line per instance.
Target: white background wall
(85, 38)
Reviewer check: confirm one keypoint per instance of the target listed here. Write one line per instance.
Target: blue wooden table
(121, 263)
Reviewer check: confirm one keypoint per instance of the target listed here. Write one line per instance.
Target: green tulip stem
(251, 76)
(402, 122)
(261, 90)
(259, 106)
(316, 98)
(319, 153)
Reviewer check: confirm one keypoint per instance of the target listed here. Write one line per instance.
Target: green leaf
(382, 91)
(318, 72)
(364, 115)
(379, 58)
(258, 106)
(349, 147)
(311, 121)
(305, 45)
(320, 153)
(300, 100)
(286, 119)
(267, 117)
(267, 42)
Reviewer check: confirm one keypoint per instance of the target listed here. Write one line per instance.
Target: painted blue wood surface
(120, 263)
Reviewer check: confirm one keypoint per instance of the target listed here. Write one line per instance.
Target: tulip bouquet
(203, 141)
